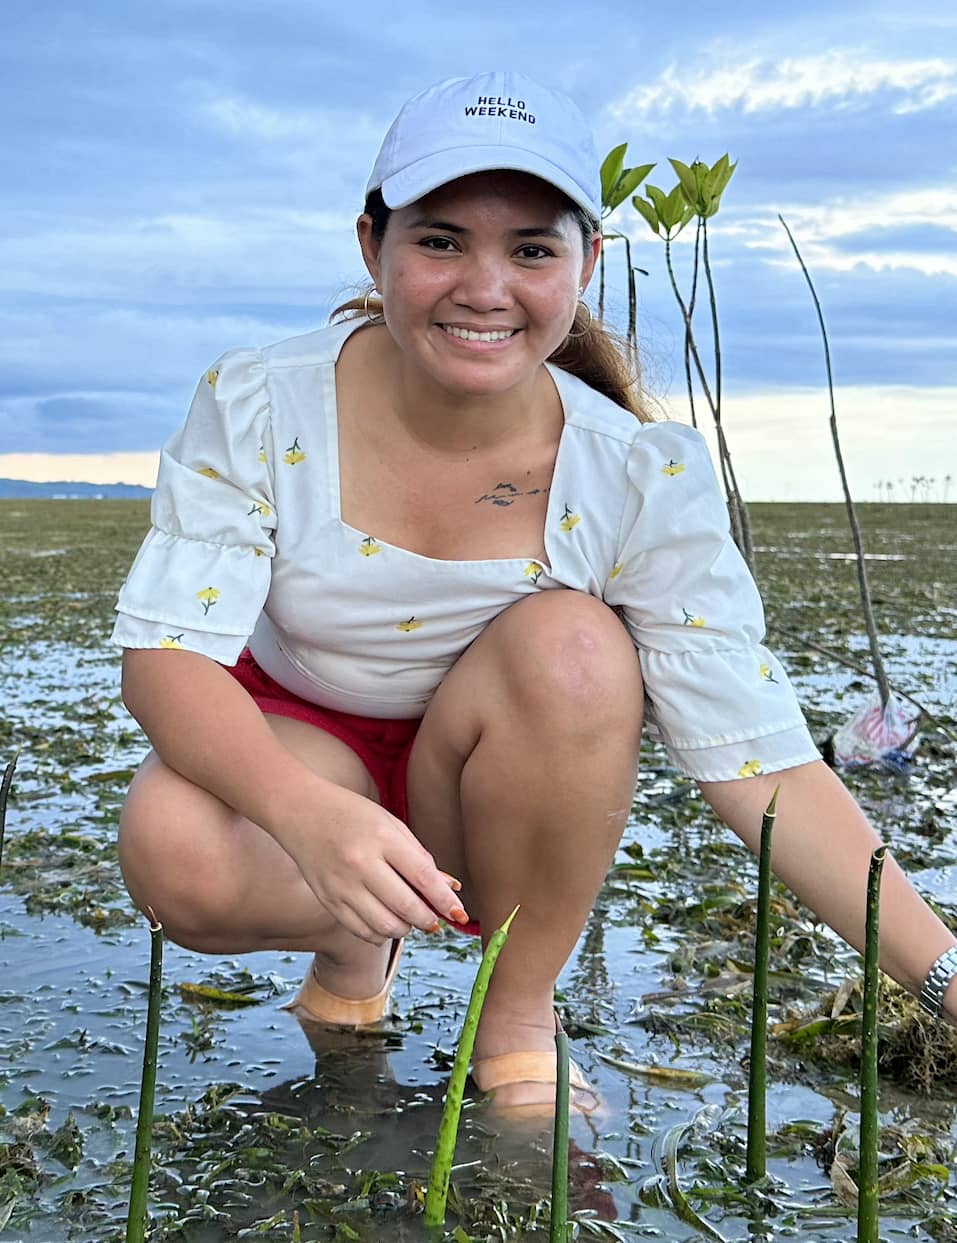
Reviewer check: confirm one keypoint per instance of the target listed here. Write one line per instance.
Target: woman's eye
(533, 252)
(437, 243)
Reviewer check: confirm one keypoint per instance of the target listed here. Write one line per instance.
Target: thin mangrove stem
(632, 305)
(437, 1194)
(136, 1219)
(5, 785)
(692, 299)
(558, 1227)
(727, 478)
(867, 1224)
(743, 515)
(866, 603)
(756, 1166)
(601, 279)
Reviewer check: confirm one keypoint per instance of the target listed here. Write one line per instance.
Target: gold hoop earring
(589, 324)
(378, 317)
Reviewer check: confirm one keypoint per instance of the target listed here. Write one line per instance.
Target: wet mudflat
(255, 1124)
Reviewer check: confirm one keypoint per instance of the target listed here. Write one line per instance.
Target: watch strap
(938, 978)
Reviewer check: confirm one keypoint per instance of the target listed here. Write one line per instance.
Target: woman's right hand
(365, 867)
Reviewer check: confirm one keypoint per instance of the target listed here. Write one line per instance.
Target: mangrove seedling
(558, 1231)
(867, 1144)
(756, 1164)
(136, 1218)
(437, 1194)
(867, 606)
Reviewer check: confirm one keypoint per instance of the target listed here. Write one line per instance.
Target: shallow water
(657, 979)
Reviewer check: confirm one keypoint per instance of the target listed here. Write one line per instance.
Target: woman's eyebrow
(445, 226)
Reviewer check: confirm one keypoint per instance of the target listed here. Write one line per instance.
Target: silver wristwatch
(938, 977)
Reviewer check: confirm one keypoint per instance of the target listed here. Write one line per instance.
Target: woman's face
(480, 279)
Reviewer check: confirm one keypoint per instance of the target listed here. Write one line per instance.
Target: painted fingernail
(452, 882)
(435, 927)
(459, 915)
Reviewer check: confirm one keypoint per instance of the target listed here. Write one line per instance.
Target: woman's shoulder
(310, 349)
(592, 411)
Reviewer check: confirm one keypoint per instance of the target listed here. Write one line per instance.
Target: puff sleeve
(721, 701)
(202, 574)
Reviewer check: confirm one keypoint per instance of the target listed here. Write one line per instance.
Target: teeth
(466, 334)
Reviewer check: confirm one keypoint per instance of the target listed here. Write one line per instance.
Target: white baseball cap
(475, 125)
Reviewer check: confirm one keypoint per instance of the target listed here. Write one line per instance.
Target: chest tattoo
(507, 494)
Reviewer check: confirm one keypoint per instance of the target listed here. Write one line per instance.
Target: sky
(183, 178)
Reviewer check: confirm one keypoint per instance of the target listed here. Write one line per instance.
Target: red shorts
(383, 746)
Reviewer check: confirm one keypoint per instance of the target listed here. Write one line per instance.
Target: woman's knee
(168, 855)
(567, 650)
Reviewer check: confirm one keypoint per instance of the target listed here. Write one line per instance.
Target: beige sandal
(315, 1004)
(489, 1073)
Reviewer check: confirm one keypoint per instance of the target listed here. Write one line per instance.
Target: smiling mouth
(469, 334)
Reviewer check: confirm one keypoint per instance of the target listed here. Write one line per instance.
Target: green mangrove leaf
(645, 209)
(611, 168)
(628, 182)
(686, 179)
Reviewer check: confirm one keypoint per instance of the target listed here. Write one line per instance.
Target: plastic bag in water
(878, 735)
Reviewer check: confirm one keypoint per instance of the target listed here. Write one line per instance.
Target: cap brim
(441, 167)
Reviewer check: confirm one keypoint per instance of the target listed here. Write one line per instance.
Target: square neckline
(331, 406)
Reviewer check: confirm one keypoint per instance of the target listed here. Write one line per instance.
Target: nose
(482, 284)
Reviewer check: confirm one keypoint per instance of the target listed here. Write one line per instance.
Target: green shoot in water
(558, 1230)
(867, 1224)
(756, 1166)
(136, 1219)
(437, 1193)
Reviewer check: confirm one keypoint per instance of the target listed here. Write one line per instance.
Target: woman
(462, 564)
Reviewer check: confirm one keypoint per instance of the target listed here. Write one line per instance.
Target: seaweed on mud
(916, 1051)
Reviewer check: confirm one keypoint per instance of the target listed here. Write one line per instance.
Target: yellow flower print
(209, 596)
(691, 620)
(369, 547)
(293, 454)
(259, 508)
(569, 520)
(212, 375)
(616, 569)
(673, 468)
(767, 673)
(262, 454)
(534, 571)
(172, 640)
(209, 472)
(750, 769)
(258, 552)
(410, 625)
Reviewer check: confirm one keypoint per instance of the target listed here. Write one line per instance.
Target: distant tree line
(917, 488)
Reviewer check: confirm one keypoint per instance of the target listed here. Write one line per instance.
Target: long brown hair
(590, 351)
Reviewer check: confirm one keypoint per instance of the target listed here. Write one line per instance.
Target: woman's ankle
(350, 967)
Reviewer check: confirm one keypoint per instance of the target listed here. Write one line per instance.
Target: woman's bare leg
(221, 885)
(520, 782)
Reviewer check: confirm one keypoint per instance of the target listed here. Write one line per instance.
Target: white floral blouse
(247, 547)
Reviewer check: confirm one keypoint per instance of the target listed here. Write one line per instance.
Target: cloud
(836, 79)
(914, 229)
(181, 257)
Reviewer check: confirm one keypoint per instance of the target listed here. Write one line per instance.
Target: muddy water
(255, 1122)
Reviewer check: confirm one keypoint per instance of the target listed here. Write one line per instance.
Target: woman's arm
(352, 853)
(821, 848)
